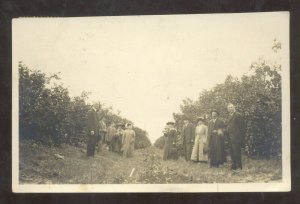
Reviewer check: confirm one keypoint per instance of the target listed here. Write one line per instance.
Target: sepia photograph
(151, 103)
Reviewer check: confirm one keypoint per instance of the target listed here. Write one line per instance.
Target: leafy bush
(153, 171)
(257, 96)
(160, 142)
(43, 110)
(141, 140)
(75, 123)
(47, 113)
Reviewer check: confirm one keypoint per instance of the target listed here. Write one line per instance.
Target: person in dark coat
(92, 130)
(216, 140)
(236, 133)
(170, 134)
(188, 136)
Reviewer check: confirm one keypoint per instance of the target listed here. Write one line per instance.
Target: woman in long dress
(128, 141)
(119, 135)
(216, 142)
(111, 132)
(170, 133)
(201, 133)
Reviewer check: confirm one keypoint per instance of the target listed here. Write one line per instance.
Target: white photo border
(283, 186)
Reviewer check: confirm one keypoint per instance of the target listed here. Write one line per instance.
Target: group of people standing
(117, 138)
(205, 142)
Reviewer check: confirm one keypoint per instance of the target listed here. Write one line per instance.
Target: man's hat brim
(200, 119)
(214, 110)
(128, 124)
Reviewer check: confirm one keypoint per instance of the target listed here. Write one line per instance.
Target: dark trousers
(91, 143)
(187, 148)
(110, 145)
(236, 156)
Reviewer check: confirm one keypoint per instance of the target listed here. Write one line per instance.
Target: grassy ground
(38, 164)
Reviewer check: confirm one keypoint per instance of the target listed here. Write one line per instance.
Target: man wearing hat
(236, 130)
(92, 130)
(188, 135)
(216, 140)
(170, 134)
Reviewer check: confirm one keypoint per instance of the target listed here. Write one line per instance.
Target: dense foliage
(142, 140)
(48, 114)
(257, 96)
(160, 142)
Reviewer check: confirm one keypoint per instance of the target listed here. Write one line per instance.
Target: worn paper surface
(145, 66)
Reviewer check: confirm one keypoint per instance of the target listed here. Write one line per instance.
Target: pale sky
(145, 66)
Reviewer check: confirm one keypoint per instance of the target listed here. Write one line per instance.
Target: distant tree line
(257, 97)
(48, 114)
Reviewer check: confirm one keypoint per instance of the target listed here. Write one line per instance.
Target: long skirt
(128, 149)
(198, 151)
(170, 150)
(100, 141)
(217, 151)
(114, 144)
(187, 149)
(118, 144)
(91, 143)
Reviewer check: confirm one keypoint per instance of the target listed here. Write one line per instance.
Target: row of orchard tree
(48, 114)
(257, 96)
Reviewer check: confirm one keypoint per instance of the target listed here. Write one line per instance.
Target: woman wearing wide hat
(199, 152)
(216, 129)
(128, 141)
(170, 133)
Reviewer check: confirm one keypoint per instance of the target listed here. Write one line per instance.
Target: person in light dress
(199, 153)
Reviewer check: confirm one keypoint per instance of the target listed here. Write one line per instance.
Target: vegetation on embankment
(39, 165)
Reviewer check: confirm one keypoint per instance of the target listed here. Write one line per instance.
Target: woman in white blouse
(198, 153)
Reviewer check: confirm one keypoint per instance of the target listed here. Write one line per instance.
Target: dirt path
(39, 165)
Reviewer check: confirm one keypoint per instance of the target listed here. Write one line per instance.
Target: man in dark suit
(216, 140)
(188, 136)
(92, 130)
(236, 134)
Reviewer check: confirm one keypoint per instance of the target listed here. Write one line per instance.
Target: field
(69, 165)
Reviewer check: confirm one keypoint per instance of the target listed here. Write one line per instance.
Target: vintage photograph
(157, 103)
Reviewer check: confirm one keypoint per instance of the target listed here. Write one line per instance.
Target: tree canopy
(257, 96)
(48, 114)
